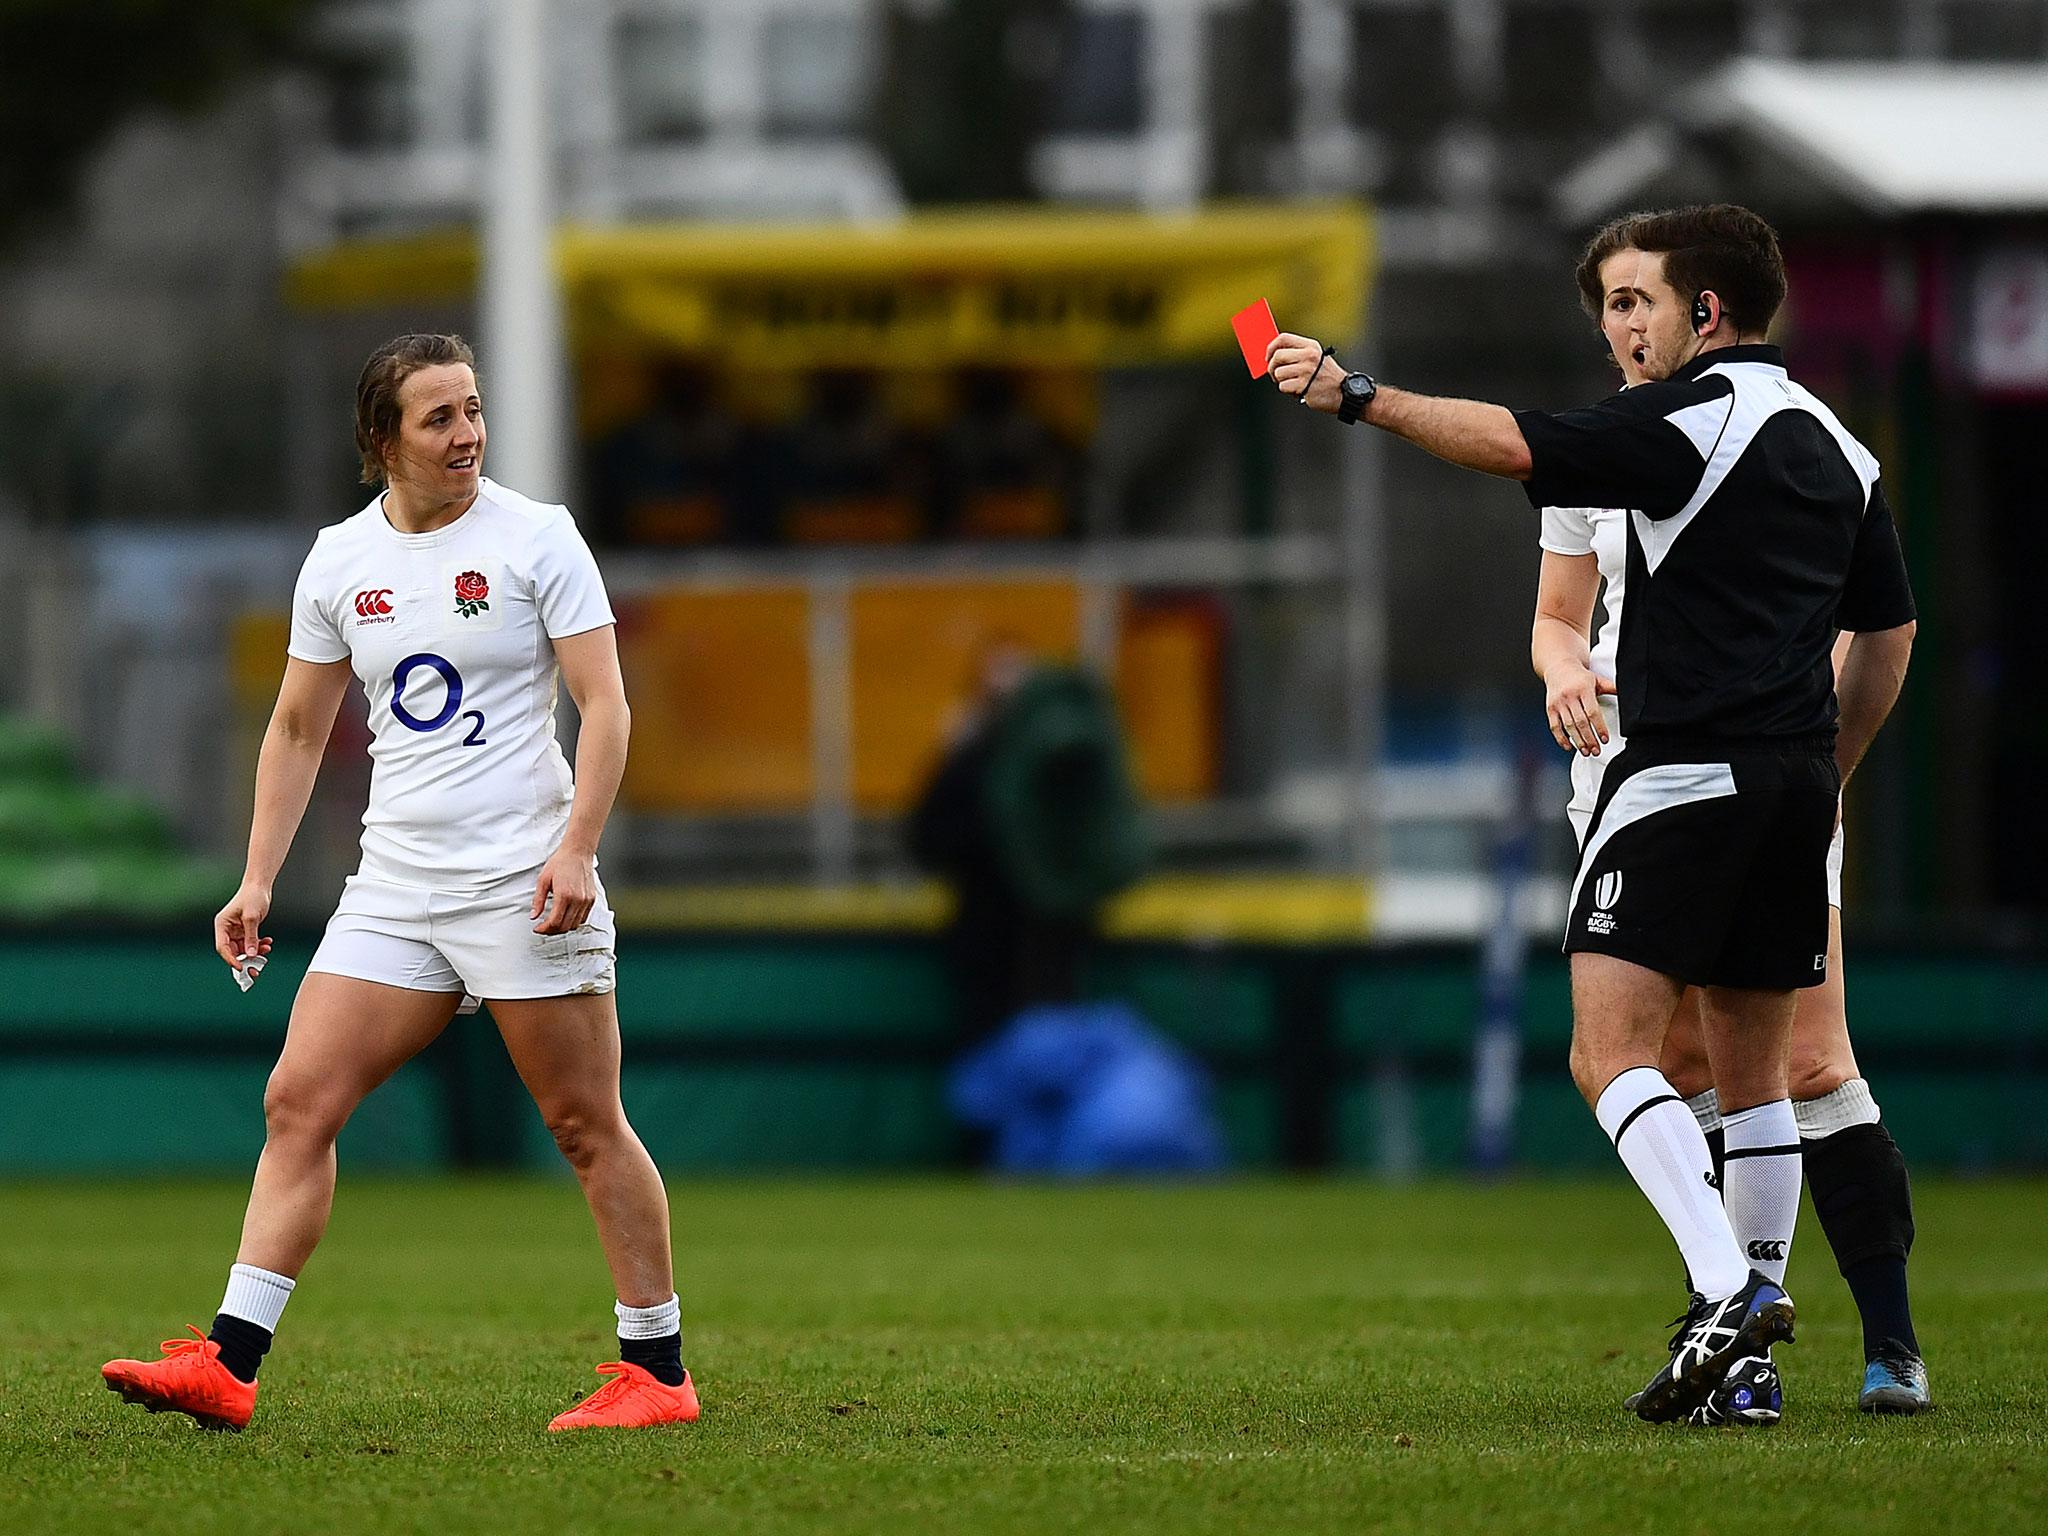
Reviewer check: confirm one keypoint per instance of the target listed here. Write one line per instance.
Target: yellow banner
(1036, 288)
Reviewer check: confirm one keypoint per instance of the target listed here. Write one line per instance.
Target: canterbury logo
(1770, 1251)
(1713, 1179)
(372, 602)
(1607, 891)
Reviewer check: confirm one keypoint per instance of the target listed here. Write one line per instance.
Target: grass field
(945, 1356)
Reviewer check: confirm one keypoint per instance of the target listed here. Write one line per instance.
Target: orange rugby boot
(189, 1379)
(632, 1399)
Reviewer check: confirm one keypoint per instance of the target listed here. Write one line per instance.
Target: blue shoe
(1895, 1382)
(1711, 1337)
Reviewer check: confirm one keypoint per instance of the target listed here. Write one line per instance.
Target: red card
(1255, 331)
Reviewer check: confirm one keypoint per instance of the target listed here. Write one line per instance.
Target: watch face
(1357, 386)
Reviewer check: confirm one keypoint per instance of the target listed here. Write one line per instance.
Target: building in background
(174, 425)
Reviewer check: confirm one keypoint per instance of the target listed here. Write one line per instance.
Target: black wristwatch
(1354, 395)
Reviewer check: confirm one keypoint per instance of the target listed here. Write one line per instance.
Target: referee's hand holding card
(1305, 369)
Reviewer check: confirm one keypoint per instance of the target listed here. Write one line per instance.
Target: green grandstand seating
(75, 818)
(143, 884)
(31, 752)
(70, 848)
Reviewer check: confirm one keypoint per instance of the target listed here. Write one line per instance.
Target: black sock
(1864, 1200)
(243, 1344)
(1879, 1286)
(660, 1358)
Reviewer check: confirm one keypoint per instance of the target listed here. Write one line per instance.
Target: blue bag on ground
(1086, 1089)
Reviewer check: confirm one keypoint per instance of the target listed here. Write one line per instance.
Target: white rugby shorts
(482, 946)
(1588, 771)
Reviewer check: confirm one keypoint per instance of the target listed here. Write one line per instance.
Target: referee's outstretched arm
(1630, 450)
(1467, 432)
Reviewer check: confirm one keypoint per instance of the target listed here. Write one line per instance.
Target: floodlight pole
(1363, 482)
(520, 299)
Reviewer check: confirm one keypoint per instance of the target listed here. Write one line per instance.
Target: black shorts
(1709, 864)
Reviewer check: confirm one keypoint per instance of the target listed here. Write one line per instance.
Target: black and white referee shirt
(1757, 528)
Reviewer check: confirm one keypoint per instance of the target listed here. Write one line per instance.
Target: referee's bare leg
(1749, 1042)
(1620, 1012)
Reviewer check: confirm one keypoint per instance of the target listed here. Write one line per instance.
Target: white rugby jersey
(1601, 532)
(451, 634)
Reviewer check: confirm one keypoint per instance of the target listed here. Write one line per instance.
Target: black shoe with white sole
(1711, 1337)
(1750, 1395)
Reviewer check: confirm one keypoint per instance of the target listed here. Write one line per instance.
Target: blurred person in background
(1031, 818)
(458, 603)
(1857, 1175)
(845, 472)
(1757, 528)
(1004, 473)
(678, 474)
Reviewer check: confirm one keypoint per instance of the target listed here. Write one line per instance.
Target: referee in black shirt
(1757, 529)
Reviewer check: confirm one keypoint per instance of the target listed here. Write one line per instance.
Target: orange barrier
(720, 683)
(916, 649)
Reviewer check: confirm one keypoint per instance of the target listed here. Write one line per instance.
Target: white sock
(1666, 1153)
(1760, 1174)
(257, 1296)
(1850, 1104)
(1706, 1108)
(650, 1322)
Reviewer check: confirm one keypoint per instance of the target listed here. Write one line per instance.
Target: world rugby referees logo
(1606, 892)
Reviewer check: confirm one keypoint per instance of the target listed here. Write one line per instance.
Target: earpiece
(1702, 313)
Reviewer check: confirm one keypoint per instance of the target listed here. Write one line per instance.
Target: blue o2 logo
(403, 672)
(405, 669)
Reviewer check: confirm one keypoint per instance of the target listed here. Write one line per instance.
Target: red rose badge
(471, 594)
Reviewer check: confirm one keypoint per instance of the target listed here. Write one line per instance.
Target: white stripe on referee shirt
(1722, 434)
(1644, 794)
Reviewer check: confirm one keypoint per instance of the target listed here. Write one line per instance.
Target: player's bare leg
(567, 1053)
(345, 1037)
(1822, 1058)
(1861, 1191)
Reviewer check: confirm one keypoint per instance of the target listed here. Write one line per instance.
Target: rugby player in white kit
(1853, 1168)
(457, 603)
